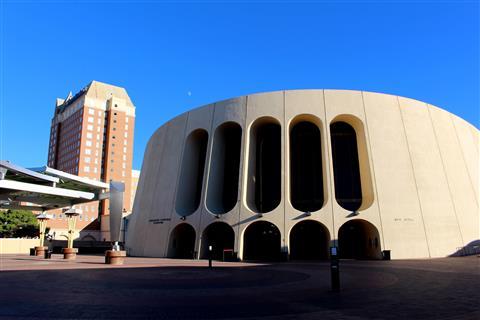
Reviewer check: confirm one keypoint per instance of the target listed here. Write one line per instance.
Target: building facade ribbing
(290, 173)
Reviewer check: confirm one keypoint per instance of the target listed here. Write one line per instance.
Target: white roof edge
(30, 187)
(61, 174)
(28, 172)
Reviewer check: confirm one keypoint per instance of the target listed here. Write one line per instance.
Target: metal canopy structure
(71, 181)
(45, 188)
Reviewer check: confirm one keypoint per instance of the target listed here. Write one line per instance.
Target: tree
(18, 224)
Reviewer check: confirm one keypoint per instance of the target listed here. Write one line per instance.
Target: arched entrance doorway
(309, 240)
(182, 242)
(220, 236)
(359, 239)
(261, 241)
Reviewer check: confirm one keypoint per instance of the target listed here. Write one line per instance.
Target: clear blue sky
(161, 51)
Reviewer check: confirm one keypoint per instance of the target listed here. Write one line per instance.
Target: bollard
(335, 269)
(209, 256)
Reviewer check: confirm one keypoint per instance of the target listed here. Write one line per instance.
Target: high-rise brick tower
(92, 136)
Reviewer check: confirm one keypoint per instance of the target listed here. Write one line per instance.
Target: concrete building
(92, 136)
(290, 173)
(133, 186)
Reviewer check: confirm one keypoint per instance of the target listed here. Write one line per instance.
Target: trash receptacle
(48, 254)
(32, 251)
(386, 254)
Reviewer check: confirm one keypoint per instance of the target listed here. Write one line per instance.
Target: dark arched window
(306, 177)
(348, 189)
(224, 168)
(264, 181)
(191, 176)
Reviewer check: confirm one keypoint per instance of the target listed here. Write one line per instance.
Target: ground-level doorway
(221, 237)
(359, 239)
(182, 242)
(262, 242)
(309, 240)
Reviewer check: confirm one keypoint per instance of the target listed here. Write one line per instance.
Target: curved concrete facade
(290, 173)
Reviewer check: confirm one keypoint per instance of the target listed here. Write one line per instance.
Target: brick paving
(31, 287)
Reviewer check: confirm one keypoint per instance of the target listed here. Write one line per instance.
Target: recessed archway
(191, 176)
(182, 242)
(262, 241)
(264, 165)
(222, 193)
(88, 237)
(220, 236)
(346, 169)
(309, 240)
(359, 239)
(306, 175)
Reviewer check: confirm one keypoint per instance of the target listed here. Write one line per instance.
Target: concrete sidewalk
(186, 289)
(12, 262)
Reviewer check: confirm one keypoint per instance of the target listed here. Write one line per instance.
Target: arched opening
(88, 237)
(264, 175)
(359, 239)
(306, 175)
(346, 170)
(262, 242)
(191, 176)
(220, 236)
(309, 240)
(222, 192)
(182, 242)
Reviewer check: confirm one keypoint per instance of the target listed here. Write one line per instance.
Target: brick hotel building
(91, 136)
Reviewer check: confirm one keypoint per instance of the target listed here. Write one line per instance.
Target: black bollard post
(209, 256)
(335, 269)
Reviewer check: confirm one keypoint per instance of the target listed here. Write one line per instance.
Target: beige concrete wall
(441, 227)
(11, 246)
(197, 119)
(164, 176)
(418, 166)
(225, 111)
(307, 105)
(347, 106)
(458, 182)
(270, 105)
(143, 199)
(396, 195)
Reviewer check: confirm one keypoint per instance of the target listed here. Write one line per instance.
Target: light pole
(210, 248)
(334, 269)
(70, 252)
(42, 220)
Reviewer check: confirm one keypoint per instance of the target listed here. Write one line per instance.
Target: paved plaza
(31, 287)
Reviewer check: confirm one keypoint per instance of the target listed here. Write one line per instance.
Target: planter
(40, 251)
(69, 253)
(115, 257)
